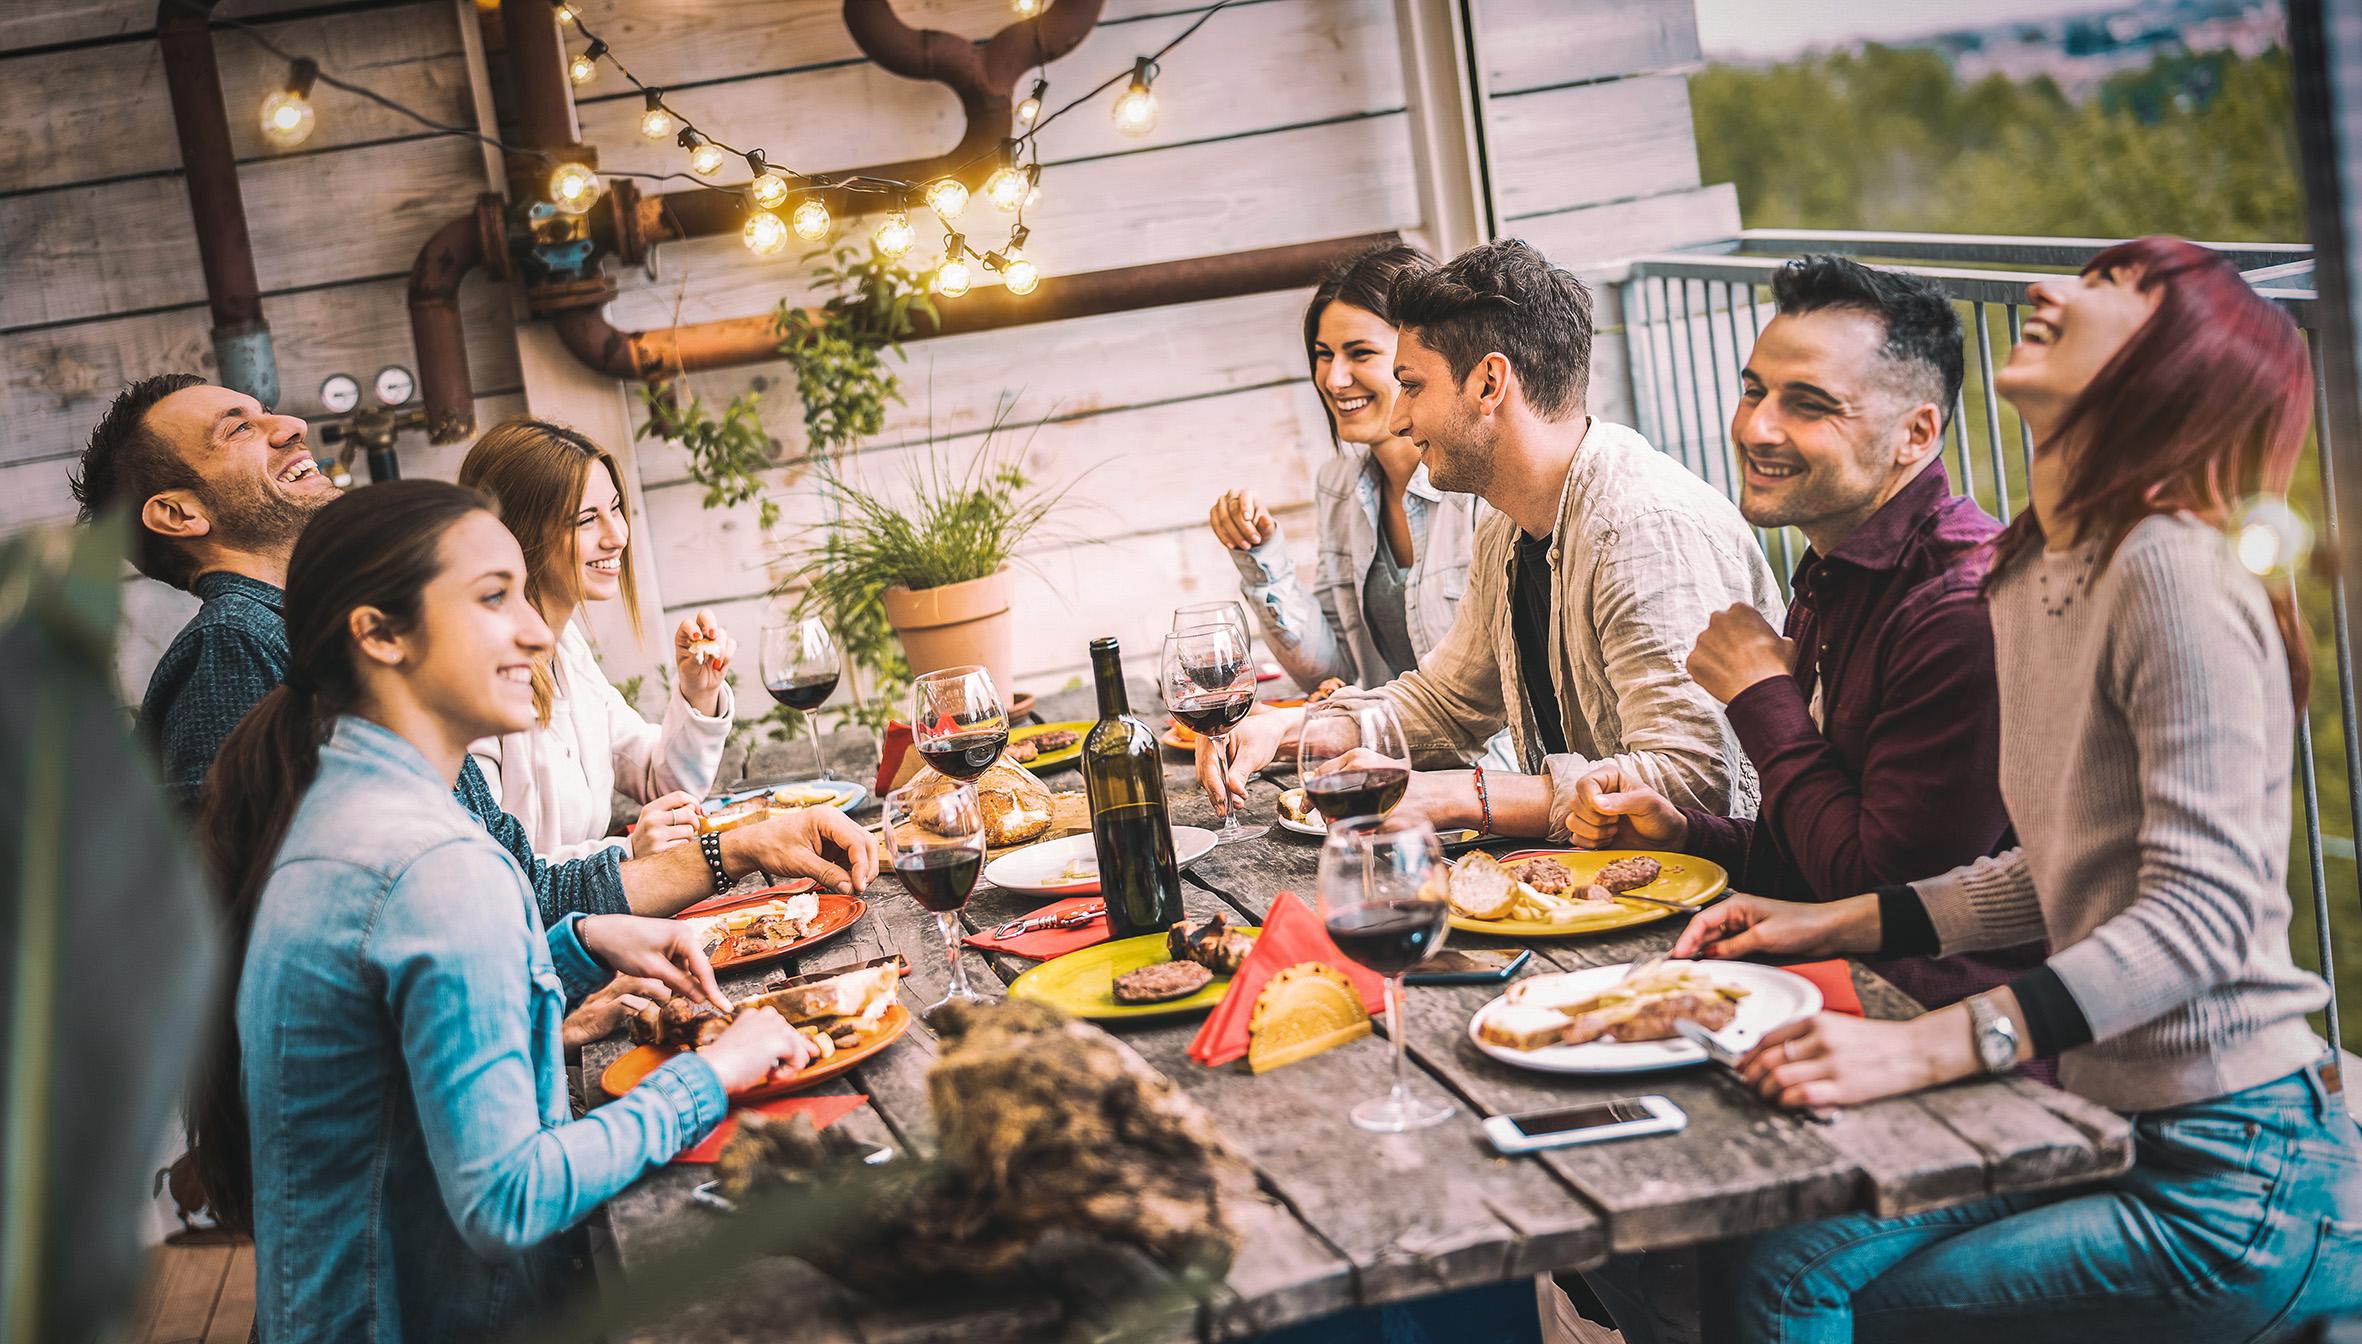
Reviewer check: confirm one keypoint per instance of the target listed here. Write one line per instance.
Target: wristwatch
(1995, 1036)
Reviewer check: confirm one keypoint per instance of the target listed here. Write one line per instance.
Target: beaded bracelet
(1484, 801)
(710, 844)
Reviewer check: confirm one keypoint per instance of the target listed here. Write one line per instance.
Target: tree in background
(2203, 146)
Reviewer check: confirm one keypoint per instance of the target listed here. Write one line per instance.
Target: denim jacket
(1322, 634)
(414, 1152)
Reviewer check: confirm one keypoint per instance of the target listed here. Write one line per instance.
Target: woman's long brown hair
(537, 471)
(376, 547)
(2206, 407)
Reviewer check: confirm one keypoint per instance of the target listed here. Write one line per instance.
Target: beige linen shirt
(1643, 554)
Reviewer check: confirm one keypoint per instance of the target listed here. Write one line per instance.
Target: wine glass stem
(1230, 807)
(819, 758)
(1402, 1086)
(950, 920)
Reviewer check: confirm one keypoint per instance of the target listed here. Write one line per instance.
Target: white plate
(1036, 868)
(1774, 999)
(849, 792)
(1288, 823)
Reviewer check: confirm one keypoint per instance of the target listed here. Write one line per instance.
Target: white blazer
(558, 779)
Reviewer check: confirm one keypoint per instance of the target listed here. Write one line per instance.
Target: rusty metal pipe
(241, 336)
(588, 335)
(436, 331)
(537, 74)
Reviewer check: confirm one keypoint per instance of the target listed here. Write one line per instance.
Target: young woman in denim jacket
(399, 1137)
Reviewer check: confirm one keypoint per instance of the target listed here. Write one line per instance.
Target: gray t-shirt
(1383, 610)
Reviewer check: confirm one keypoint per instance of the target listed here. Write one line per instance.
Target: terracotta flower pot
(955, 624)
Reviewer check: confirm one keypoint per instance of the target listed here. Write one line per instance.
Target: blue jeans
(2239, 1217)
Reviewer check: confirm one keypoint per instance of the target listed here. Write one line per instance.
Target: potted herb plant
(936, 557)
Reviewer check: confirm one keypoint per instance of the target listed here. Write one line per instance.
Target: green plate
(1051, 760)
(1082, 984)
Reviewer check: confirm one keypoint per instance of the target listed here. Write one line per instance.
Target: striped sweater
(2146, 740)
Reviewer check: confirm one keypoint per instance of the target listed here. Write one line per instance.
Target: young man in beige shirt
(1603, 560)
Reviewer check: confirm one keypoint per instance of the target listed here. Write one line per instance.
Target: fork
(1035, 923)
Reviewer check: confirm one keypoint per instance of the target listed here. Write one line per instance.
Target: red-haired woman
(2148, 687)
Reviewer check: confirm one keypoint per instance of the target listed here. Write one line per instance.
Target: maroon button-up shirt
(1900, 780)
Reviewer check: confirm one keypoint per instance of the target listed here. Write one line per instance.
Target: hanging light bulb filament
(1135, 109)
(287, 115)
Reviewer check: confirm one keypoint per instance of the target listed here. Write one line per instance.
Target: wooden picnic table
(1347, 1217)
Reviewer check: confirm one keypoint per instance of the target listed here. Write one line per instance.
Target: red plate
(727, 901)
(626, 1072)
(837, 914)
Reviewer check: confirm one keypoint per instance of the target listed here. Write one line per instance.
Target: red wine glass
(959, 721)
(1208, 678)
(935, 842)
(801, 665)
(1382, 888)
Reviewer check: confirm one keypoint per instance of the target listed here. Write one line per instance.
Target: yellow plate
(1686, 880)
(1051, 760)
(1082, 984)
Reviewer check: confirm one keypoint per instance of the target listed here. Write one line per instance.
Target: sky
(1781, 27)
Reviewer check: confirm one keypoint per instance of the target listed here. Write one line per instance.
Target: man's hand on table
(1613, 810)
(816, 842)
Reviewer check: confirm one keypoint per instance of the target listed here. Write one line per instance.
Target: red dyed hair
(2207, 405)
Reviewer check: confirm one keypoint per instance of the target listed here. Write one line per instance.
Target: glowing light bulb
(707, 159)
(769, 190)
(1135, 111)
(1006, 187)
(947, 197)
(582, 69)
(810, 219)
(1026, 9)
(764, 234)
(895, 235)
(573, 187)
(565, 15)
(1021, 276)
(1031, 107)
(658, 122)
(287, 118)
(952, 278)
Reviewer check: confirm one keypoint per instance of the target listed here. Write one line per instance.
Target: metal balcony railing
(1690, 316)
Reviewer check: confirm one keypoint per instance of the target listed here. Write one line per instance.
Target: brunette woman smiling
(404, 1147)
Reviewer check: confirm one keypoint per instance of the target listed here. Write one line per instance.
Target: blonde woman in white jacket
(562, 496)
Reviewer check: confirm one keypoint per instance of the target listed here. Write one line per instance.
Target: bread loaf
(1016, 805)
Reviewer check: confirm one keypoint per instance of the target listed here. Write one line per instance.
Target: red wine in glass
(941, 879)
(803, 694)
(1389, 937)
(1214, 714)
(1358, 793)
(964, 756)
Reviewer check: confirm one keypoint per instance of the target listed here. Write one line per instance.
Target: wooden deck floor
(198, 1294)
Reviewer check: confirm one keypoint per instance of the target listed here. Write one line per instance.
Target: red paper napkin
(1043, 944)
(1835, 980)
(891, 749)
(1291, 935)
(824, 1111)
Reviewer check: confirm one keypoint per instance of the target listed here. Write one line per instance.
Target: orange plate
(726, 901)
(625, 1073)
(837, 914)
(1179, 737)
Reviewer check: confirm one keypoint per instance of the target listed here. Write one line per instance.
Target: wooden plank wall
(99, 277)
(1283, 121)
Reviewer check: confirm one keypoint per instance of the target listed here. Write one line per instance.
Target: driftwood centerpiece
(1047, 1128)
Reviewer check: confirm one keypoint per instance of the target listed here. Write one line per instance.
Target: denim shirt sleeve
(1304, 634)
(585, 886)
(578, 970)
(456, 954)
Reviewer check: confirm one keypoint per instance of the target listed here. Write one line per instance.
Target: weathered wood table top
(1349, 1217)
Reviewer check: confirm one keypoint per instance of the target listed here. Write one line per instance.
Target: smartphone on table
(1585, 1122)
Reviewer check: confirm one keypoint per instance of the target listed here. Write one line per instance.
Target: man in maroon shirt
(1873, 724)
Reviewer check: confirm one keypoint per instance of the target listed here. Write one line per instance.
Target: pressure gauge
(394, 385)
(340, 393)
